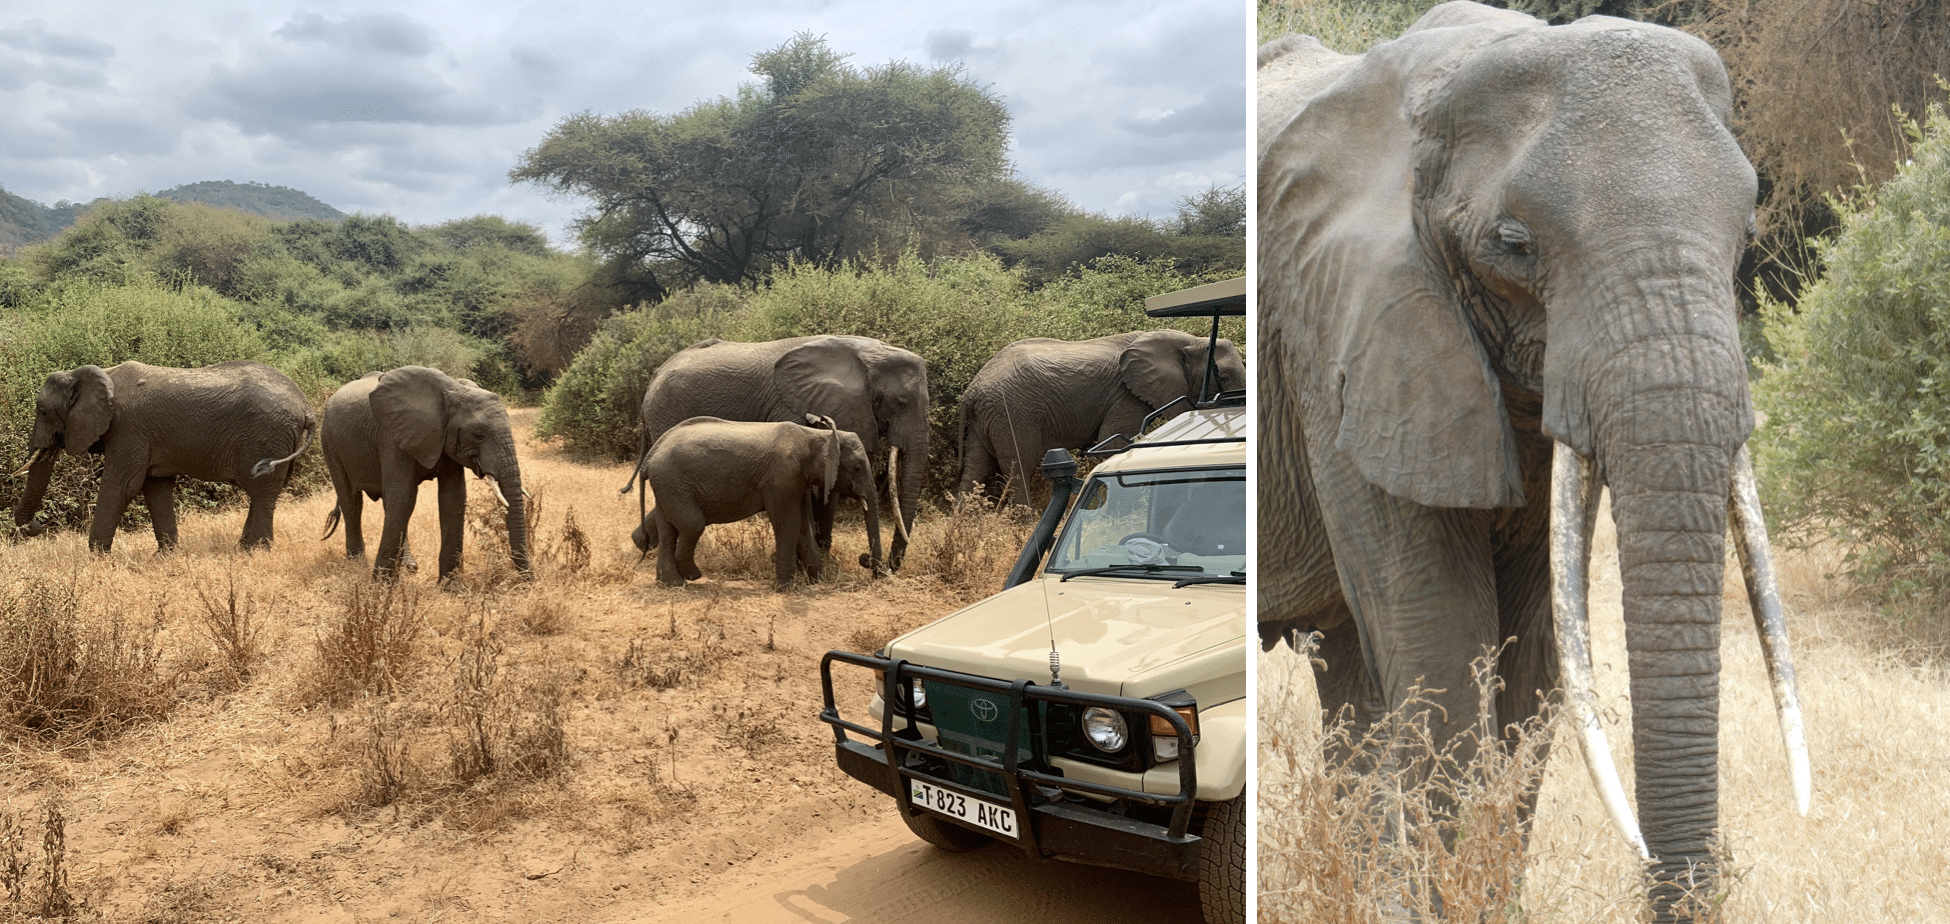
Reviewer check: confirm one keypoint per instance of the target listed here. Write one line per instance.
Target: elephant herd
(787, 427)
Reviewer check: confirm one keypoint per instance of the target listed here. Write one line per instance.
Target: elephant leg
(398, 502)
(264, 507)
(787, 525)
(117, 491)
(820, 514)
(667, 571)
(1421, 585)
(453, 519)
(811, 557)
(160, 496)
(1347, 691)
(978, 466)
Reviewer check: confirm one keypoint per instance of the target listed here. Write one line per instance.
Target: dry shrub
(752, 729)
(230, 623)
(972, 547)
(545, 611)
(678, 658)
(384, 756)
(1367, 826)
(31, 894)
(487, 522)
(511, 727)
(370, 649)
(65, 678)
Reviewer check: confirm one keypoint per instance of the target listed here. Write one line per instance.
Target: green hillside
(269, 201)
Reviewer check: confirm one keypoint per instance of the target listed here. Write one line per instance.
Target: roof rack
(1223, 299)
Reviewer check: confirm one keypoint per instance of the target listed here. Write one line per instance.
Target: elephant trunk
(39, 469)
(510, 486)
(911, 456)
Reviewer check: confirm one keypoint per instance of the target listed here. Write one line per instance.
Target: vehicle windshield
(1168, 525)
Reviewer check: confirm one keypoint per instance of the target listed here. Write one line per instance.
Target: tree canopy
(818, 162)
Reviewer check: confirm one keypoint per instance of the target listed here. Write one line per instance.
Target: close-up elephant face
(1162, 366)
(1496, 272)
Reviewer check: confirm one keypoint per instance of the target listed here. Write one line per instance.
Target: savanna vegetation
(210, 733)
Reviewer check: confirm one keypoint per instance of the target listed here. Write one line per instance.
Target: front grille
(976, 723)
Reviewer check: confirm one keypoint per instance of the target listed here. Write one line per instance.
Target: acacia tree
(818, 162)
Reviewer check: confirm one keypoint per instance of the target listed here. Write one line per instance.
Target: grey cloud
(1222, 110)
(949, 44)
(34, 36)
(94, 134)
(387, 33)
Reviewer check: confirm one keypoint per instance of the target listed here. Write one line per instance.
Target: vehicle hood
(1112, 633)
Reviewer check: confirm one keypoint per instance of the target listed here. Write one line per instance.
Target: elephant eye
(1514, 238)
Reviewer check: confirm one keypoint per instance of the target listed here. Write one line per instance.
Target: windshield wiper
(1141, 569)
(1236, 577)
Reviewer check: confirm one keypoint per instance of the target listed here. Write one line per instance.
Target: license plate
(998, 818)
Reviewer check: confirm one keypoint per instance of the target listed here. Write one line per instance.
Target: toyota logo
(983, 709)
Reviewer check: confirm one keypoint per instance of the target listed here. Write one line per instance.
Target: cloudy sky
(419, 109)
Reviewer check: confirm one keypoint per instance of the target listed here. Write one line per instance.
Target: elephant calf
(1041, 394)
(706, 470)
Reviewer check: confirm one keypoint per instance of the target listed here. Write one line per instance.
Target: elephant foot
(879, 570)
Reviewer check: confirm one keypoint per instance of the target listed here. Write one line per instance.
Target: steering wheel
(1154, 537)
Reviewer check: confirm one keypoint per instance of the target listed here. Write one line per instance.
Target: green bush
(1856, 406)
(593, 406)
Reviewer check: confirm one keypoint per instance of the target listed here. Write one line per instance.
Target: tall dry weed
(370, 648)
(42, 895)
(231, 624)
(971, 546)
(66, 676)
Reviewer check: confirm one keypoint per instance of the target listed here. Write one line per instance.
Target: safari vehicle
(1095, 710)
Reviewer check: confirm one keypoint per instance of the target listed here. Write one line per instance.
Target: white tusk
(1764, 596)
(503, 498)
(32, 458)
(894, 478)
(1574, 508)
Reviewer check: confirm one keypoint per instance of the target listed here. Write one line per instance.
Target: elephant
(1496, 269)
(876, 391)
(707, 470)
(388, 431)
(240, 422)
(1040, 394)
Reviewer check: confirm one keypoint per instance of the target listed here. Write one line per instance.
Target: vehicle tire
(950, 837)
(1222, 862)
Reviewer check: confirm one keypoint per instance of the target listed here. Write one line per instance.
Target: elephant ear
(826, 376)
(1153, 366)
(410, 406)
(91, 409)
(1353, 289)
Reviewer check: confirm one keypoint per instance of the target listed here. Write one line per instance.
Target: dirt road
(877, 871)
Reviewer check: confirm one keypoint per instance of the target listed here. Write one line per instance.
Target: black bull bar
(1063, 829)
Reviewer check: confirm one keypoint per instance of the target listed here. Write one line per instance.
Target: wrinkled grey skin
(238, 422)
(387, 432)
(707, 470)
(1432, 214)
(1041, 394)
(875, 391)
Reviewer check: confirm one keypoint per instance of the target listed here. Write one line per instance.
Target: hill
(256, 198)
(24, 221)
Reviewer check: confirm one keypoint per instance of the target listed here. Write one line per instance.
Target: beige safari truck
(1096, 709)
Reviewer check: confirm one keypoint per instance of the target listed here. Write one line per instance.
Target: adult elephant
(873, 390)
(706, 470)
(239, 423)
(389, 431)
(1496, 266)
(1041, 394)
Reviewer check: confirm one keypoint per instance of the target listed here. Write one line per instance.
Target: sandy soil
(712, 798)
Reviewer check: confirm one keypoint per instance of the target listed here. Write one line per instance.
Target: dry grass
(277, 708)
(1869, 850)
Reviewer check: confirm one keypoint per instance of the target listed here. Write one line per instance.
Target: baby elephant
(706, 470)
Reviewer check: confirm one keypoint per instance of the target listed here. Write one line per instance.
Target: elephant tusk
(1574, 508)
(1764, 596)
(32, 458)
(503, 498)
(893, 478)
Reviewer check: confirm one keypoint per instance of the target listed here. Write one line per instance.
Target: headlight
(1164, 738)
(920, 696)
(1105, 729)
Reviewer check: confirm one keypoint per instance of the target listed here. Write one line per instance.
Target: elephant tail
(331, 523)
(266, 465)
(636, 472)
